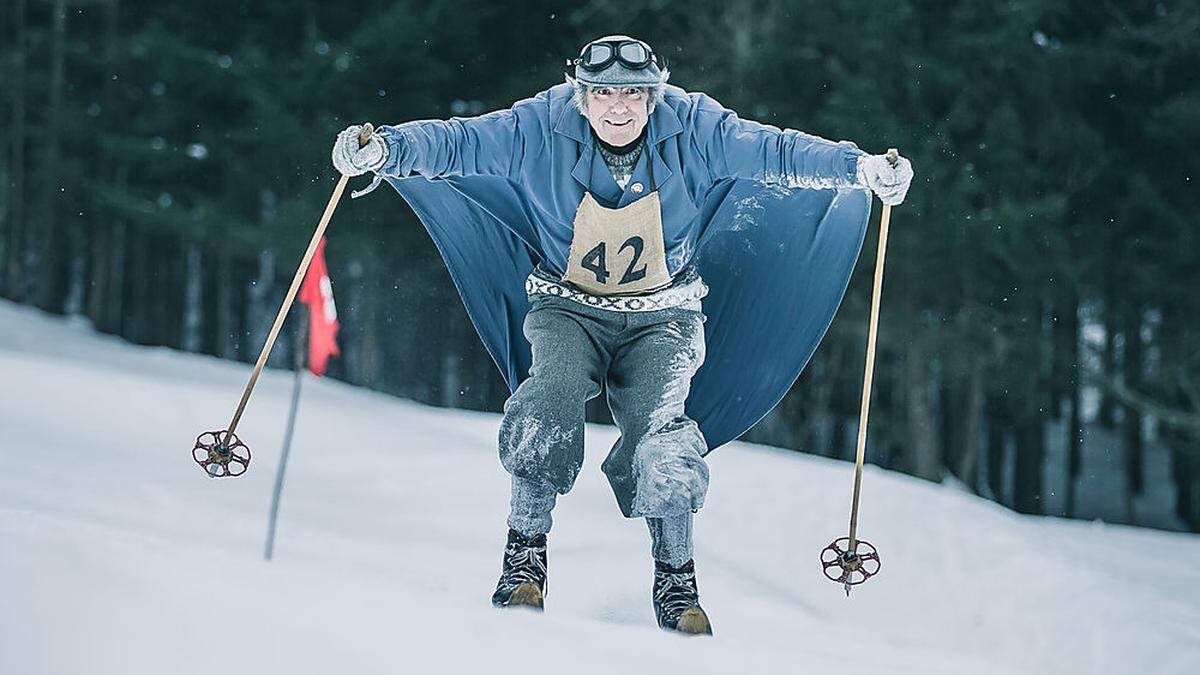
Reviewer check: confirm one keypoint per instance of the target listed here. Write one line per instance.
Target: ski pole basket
(849, 566)
(221, 454)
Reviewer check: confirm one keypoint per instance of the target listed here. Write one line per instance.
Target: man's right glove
(351, 160)
(887, 181)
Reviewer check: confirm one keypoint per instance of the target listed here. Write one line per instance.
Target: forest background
(164, 163)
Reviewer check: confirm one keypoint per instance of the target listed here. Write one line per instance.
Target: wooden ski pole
(219, 452)
(850, 560)
(869, 372)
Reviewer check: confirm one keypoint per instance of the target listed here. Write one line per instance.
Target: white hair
(654, 93)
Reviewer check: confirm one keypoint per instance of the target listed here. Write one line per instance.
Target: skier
(592, 219)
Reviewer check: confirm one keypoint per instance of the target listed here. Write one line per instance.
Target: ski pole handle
(368, 130)
(364, 135)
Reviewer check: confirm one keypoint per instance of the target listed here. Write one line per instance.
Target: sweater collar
(622, 150)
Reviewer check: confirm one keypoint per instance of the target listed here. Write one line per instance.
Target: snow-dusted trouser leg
(656, 468)
(531, 506)
(541, 434)
(671, 538)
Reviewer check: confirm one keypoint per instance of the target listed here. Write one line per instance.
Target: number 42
(596, 263)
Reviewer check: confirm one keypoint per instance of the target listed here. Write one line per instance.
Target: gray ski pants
(646, 360)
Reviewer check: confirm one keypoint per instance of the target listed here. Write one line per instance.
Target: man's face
(617, 114)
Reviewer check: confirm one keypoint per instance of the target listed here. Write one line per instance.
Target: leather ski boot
(677, 599)
(523, 578)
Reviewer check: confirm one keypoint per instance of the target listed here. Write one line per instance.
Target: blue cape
(776, 260)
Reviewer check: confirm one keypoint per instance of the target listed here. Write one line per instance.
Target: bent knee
(541, 447)
(671, 476)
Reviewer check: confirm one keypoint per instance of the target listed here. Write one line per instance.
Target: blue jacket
(773, 220)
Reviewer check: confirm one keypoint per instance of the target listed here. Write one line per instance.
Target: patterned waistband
(690, 290)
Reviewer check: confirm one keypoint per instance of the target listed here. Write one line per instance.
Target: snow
(117, 555)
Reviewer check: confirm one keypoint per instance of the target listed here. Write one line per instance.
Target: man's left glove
(887, 181)
(351, 160)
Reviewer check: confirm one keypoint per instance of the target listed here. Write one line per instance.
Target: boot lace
(675, 592)
(524, 564)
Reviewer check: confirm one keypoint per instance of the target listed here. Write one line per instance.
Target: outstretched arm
(485, 145)
(738, 148)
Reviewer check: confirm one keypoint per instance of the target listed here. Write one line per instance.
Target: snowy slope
(118, 556)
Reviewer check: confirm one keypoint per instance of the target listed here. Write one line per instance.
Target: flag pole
(298, 365)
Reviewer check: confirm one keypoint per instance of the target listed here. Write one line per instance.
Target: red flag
(317, 293)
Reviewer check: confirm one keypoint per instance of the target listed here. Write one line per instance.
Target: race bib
(618, 251)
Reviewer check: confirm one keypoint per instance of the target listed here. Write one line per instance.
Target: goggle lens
(598, 54)
(634, 52)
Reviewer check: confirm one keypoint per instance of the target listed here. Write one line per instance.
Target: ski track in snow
(117, 555)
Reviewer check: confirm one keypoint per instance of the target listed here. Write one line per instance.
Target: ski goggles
(633, 54)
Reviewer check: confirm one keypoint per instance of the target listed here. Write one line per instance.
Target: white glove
(351, 160)
(887, 181)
